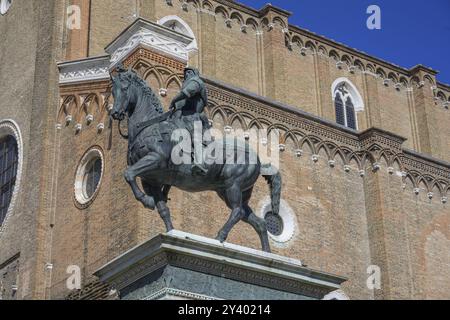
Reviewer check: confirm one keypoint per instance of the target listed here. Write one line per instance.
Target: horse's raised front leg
(148, 163)
(233, 198)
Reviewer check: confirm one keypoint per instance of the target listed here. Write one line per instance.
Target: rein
(124, 136)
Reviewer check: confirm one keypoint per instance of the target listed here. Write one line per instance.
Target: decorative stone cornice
(141, 34)
(370, 145)
(90, 69)
(382, 139)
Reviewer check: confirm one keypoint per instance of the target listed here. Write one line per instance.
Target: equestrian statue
(151, 145)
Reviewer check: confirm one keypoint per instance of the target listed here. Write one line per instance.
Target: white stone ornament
(163, 92)
(332, 163)
(100, 127)
(68, 119)
(89, 118)
(4, 6)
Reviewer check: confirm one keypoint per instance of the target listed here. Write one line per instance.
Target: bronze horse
(149, 157)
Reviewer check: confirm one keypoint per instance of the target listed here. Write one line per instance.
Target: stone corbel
(163, 92)
(89, 118)
(100, 127)
(340, 65)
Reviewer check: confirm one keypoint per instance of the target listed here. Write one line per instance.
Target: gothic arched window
(339, 106)
(347, 101)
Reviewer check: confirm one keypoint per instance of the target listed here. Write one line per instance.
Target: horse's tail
(274, 181)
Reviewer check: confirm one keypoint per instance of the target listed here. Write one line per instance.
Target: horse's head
(128, 89)
(121, 84)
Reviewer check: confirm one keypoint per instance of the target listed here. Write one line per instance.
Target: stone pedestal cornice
(219, 261)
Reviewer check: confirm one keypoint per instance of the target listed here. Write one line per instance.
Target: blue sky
(412, 32)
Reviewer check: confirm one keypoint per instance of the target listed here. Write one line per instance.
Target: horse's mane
(133, 78)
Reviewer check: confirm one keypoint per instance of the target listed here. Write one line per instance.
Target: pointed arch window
(346, 103)
(339, 106)
(350, 113)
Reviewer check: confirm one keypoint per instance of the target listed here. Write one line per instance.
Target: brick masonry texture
(344, 222)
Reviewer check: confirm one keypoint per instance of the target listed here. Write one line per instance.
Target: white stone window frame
(9, 127)
(352, 92)
(163, 22)
(289, 222)
(81, 200)
(4, 6)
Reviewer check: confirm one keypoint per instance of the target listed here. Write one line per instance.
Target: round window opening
(8, 172)
(4, 6)
(280, 227)
(274, 223)
(88, 177)
(92, 177)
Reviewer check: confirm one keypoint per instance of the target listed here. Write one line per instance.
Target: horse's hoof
(221, 238)
(149, 203)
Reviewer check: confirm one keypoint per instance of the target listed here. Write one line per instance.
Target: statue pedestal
(179, 265)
